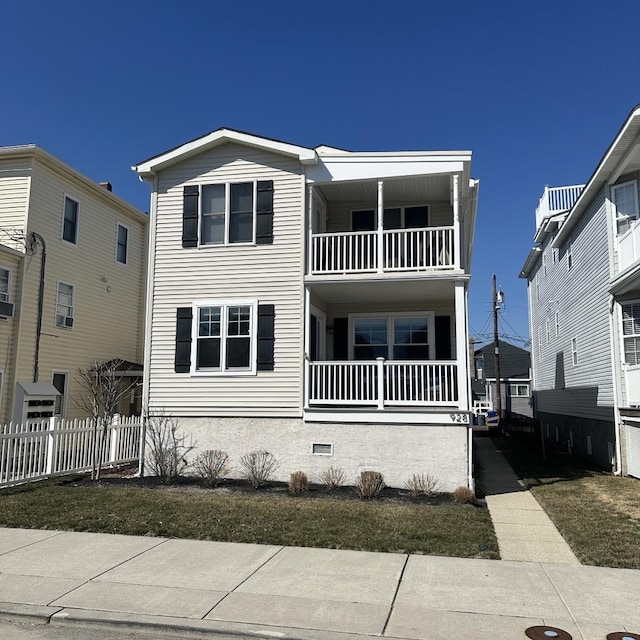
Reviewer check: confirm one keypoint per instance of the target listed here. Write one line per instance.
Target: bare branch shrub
(333, 478)
(258, 467)
(211, 465)
(463, 495)
(298, 482)
(102, 389)
(369, 485)
(168, 446)
(421, 484)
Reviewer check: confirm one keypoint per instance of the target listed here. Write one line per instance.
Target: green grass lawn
(597, 513)
(451, 530)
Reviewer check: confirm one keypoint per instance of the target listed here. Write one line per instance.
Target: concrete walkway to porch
(525, 532)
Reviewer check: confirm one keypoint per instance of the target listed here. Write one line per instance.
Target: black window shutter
(190, 199)
(443, 338)
(266, 337)
(264, 212)
(184, 316)
(340, 338)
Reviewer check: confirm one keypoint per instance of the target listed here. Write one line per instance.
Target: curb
(32, 613)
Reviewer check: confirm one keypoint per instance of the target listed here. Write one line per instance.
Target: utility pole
(496, 336)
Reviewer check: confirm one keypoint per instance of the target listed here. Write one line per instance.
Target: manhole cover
(623, 635)
(547, 633)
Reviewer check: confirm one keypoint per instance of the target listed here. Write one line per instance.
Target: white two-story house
(584, 300)
(313, 302)
(72, 279)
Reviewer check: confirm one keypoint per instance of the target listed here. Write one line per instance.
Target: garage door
(633, 448)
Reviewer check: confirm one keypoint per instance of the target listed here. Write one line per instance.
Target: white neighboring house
(584, 301)
(313, 302)
(91, 280)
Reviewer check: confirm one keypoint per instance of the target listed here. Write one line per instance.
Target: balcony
(382, 384)
(629, 246)
(391, 250)
(556, 200)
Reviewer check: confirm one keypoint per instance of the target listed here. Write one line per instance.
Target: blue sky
(535, 90)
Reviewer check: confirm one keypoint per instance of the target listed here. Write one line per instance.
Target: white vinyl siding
(230, 272)
(14, 196)
(580, 298)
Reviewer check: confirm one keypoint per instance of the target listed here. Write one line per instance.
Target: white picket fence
(55, 446)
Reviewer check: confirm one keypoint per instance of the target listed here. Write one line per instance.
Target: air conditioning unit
(6, 310)
(68, 322)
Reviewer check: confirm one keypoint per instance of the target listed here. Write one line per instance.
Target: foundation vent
(320, 449)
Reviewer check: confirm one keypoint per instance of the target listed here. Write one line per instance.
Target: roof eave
(530, 262)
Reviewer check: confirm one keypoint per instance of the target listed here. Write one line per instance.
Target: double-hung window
(631, 332)
(122, 244)
(518, 390)
(70, 220)
(400, 337)
(225, 337)
(625, 202)
(5, 278)
(228, 213)
(64, 305)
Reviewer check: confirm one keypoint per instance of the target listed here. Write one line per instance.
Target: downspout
(37, 238)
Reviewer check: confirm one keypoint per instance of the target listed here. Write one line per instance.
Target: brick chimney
(106, 185)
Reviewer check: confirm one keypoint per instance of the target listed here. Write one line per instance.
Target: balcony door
(413, 217)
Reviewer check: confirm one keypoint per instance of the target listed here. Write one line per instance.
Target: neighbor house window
(557, 325)
(631, 332)
(544, 264)
(548, 330)
(574, 351)
(625, 203)
(518, 390)
(5, 278)
(397, 337)
(540, 343)
(569, 256)
(70, 221)
(228, 213)
(226, 337)
(122, 244)
(64, 305)
(59, 381)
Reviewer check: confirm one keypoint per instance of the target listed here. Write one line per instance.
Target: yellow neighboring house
(72, 283)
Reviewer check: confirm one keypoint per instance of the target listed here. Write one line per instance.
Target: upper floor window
(409, 217)
(5, 277)
(574, 351)
(625, 202)
(64, 305)
(631, 332)
(122, 244)
(228, 213)
(569, 256)
(70, 220)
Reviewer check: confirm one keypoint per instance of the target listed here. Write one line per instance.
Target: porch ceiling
(383, 291)
(411, 188)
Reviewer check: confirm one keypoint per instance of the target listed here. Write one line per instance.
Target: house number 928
(459, 417)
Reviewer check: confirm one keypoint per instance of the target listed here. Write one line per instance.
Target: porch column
(455, 186)
(310, 229)
(462, 344)
(380, 226)
(306, 321)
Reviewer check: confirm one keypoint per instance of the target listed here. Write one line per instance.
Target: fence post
(115, 438)
(380, 371)
(51, 443)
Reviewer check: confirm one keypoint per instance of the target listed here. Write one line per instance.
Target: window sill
(222, 374)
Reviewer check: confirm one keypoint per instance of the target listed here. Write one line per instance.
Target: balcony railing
(557, 199)
(632, 384)
(382, 383)
(629, 246)
(401, 250)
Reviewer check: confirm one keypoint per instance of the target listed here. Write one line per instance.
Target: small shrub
(463, 495)
(211, 465)
(369, 485)
(333, 478)
(421, 484)
(298, 482)
(258, 467)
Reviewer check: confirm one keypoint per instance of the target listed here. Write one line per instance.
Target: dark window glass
(241, 209)
(416, 217)
(238, 353)
(123, 241)
(70, 223)
(392, 218)
(363, 220)
(208, 353)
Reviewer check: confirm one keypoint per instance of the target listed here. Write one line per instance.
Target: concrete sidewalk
(189, 587)
(523, 529)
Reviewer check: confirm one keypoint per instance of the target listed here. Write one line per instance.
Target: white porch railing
(403, 250)
(629, 246)
(632, 385)
(53, 447)
(557, 199)
(383, 383)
